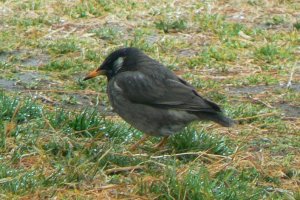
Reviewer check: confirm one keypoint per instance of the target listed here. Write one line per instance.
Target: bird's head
(121, 60)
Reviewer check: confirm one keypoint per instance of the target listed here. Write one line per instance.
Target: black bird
(152, 98)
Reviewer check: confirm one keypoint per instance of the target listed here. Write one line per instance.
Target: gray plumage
(152, 98)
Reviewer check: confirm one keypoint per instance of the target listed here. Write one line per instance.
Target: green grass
(74, 141)
(60, 140)
(297, 25)
(270, 53)
(107, 33)
(60, 65)
(192, 140)
(167, 26)
(197, 184)
(64, 46)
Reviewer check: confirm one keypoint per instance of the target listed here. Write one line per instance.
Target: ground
(61, 140)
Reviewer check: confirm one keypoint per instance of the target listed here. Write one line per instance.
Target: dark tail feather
(217, 117)
(223, 120)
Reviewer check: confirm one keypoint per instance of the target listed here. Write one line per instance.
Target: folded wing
(171, 92)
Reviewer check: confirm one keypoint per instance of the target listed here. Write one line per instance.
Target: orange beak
(94, 73)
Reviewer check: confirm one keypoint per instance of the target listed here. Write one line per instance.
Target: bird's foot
(162, 142)
(135, 145)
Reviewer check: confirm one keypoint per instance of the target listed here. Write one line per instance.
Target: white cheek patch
(118, 64)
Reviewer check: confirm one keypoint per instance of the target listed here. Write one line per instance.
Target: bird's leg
(143, 139)
(162, 142)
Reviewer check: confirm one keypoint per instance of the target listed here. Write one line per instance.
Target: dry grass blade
(257, 116)
(123, 169)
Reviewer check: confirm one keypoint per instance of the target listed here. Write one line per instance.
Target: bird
(151, 97)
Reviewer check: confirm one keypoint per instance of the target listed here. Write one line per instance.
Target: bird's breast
(115, 95)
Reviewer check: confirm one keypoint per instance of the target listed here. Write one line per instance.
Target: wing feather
(171, 92)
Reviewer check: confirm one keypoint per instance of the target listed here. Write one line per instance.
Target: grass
(65, 64)
(197, 184)
(167, 26)
(59, 138)
(64, 47)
